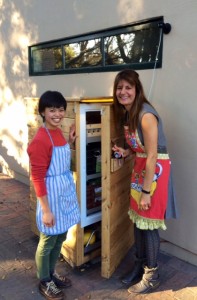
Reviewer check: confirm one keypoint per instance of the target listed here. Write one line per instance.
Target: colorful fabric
(154, 217)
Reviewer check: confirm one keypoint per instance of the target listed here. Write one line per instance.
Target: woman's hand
(72, 134)
(48, 218)
(145, 201)
(123, 152)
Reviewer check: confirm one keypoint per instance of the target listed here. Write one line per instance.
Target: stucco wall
(25, 22)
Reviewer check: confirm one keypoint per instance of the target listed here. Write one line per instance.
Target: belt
(159, 155)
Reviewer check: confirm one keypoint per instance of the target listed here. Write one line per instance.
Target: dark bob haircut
(51, 99)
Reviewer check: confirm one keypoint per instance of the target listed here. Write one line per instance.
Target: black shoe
(61, 281)
(132, 278)
(50, 291)
(135, 274)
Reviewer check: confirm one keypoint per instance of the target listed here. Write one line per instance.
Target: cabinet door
(89, 169)
(117, 229)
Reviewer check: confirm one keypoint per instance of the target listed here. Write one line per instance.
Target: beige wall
(25, 22)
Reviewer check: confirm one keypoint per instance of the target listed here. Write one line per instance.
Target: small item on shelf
(93, 158)
(94, 193)
(97, 154)
(89, 237)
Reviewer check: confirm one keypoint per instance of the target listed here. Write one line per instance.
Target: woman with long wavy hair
(152, 197)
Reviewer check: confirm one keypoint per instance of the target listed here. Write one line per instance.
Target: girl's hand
(72, 134)
(48, 219)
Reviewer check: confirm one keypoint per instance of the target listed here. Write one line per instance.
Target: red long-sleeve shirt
(40, 152)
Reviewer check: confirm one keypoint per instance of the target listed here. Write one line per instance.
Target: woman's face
(53, 116)
(125, 94)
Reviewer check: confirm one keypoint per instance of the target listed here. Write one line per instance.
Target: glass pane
(83, 54)
(135, 47)
(47, 59)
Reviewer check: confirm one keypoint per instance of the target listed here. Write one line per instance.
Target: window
(137, 46)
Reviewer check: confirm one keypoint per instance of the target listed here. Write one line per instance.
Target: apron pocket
(68, 204)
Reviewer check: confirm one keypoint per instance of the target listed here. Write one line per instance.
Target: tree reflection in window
(138, 47)
(47, 59)
(118, 48)
(83, 54)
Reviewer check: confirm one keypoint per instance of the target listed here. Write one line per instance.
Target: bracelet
(145, 192)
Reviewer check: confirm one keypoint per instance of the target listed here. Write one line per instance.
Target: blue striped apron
(61, 192)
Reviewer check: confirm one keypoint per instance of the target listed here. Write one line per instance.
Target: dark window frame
(153, 23)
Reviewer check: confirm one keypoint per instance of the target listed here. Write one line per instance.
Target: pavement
(18, 273)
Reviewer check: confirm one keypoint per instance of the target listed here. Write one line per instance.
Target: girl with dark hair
(152, 197)
(57, 205)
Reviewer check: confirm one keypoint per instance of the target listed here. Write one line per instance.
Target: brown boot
(135, 274)
(150, 281)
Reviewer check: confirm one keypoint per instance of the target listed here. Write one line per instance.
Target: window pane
(83, 54)
(47, 59)
(135, 47)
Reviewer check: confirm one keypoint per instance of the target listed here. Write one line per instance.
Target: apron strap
(49, 135)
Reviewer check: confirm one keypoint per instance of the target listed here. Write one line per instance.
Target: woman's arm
(150, 136)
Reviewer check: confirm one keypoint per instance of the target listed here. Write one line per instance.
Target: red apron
(152, 218)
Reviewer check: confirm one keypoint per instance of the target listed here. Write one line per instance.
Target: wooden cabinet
(102, 183)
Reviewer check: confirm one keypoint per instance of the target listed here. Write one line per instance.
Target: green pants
(47, 254)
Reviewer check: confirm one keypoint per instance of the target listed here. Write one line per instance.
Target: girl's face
(125, 94)
(53, 116)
